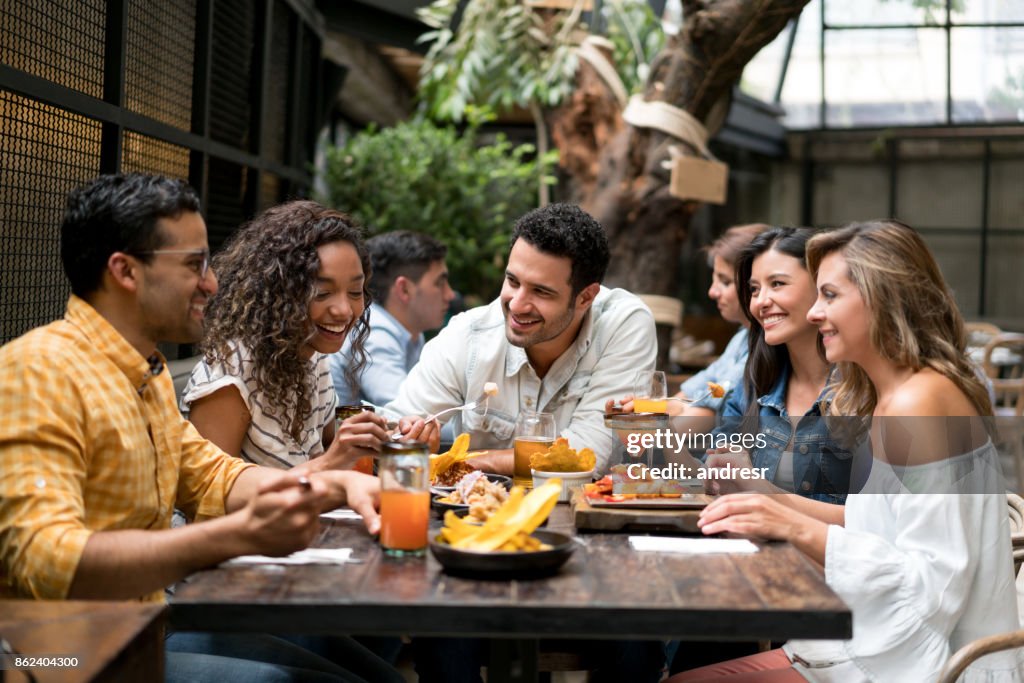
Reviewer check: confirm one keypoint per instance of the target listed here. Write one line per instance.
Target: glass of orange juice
(535, 432)
(650, 392)
(404, 472)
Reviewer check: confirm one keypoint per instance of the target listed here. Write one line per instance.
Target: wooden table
(607, 590)
(112, 641)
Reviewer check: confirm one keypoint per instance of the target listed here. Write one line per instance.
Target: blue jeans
(228, 657)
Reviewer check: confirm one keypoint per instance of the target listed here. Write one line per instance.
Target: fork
(724, 385)
(472, 405)
(686, 401)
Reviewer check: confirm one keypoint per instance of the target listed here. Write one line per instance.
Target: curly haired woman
(292, 287)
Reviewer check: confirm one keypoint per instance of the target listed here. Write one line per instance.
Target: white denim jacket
(617, 340)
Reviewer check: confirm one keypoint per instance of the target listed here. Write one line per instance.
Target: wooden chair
(977, 649)
(979, 333)
(1004, 364)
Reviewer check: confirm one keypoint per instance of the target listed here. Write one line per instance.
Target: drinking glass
(650, 391)
(404, 497)
(342, 413)
(535, 432)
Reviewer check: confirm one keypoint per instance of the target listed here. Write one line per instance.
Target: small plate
(685, 501)
(444, 505)
(496, 478)
(506, 565)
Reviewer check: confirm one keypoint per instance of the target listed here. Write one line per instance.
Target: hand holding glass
(650, 392)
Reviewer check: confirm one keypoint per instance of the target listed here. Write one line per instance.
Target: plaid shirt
(90, 440)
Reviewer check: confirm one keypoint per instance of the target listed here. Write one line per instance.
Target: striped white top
(267, 441)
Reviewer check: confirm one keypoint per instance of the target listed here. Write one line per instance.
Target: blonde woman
(923, 569)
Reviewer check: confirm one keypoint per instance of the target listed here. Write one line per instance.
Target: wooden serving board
(586, 516)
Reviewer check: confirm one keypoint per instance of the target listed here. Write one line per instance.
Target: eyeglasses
(200, 268)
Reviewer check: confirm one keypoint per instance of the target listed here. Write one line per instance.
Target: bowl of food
(570, 481)
(475, 492)
(508, 544)
(542, 553)
(573, 468)
(499, 479)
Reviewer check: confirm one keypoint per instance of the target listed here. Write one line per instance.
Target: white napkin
(341, 513)
(307, 556)
(691, 546)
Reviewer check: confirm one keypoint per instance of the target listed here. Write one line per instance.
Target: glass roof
(875, 63)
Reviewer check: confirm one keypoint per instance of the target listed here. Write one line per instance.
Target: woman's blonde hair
(914, 321)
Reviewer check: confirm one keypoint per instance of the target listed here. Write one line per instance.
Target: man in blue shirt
(411, 295)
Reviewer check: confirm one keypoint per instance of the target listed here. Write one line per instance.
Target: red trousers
(765, 667)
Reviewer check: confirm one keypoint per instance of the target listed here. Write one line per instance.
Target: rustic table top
(85, 640)
(606, 590)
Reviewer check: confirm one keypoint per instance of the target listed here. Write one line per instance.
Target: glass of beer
(404, 497)
(535, 432)
(650, 392)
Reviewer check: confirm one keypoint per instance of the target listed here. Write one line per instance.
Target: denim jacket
(821, 466)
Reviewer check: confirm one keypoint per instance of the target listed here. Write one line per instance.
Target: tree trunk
(647, 226)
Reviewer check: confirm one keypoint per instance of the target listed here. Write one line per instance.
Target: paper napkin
(691, 546)
(307, 556)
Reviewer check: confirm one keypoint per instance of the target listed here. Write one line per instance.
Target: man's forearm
(130, 563)
(497, 461)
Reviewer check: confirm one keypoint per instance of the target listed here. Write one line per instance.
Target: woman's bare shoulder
(928, 393)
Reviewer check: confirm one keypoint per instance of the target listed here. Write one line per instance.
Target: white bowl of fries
(570, 481)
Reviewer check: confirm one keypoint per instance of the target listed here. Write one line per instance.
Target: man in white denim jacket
(555, 340)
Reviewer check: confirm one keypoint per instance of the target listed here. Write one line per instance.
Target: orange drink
(523, 448)
(404, 469)
(650, 405)
(364, 465)
(404, 517)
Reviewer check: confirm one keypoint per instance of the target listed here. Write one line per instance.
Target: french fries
(509, 528)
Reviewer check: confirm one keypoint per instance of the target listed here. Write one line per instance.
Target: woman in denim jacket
(787, 372)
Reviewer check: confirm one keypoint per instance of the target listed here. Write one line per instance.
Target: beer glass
(535, 432)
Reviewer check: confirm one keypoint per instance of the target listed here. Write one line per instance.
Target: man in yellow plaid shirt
(94, 455)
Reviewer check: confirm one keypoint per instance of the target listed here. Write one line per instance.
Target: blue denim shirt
(821, 466)
(727, 369)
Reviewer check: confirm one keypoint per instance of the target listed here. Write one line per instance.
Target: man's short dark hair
(568, 230)
(400, 253)
(117, 213)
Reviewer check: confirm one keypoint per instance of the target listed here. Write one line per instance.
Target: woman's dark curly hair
(267, 278)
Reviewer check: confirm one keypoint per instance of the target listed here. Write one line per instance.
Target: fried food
(717, 390)
(509, 528)
(452, 475)
(561, 458)
(457, 455)
(483, 496)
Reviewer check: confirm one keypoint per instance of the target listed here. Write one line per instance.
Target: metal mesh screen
(158, 60)
(45, 152)
(231, 72)
(224, 201)
(275, 122)
(61, 42)
(148, 155)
